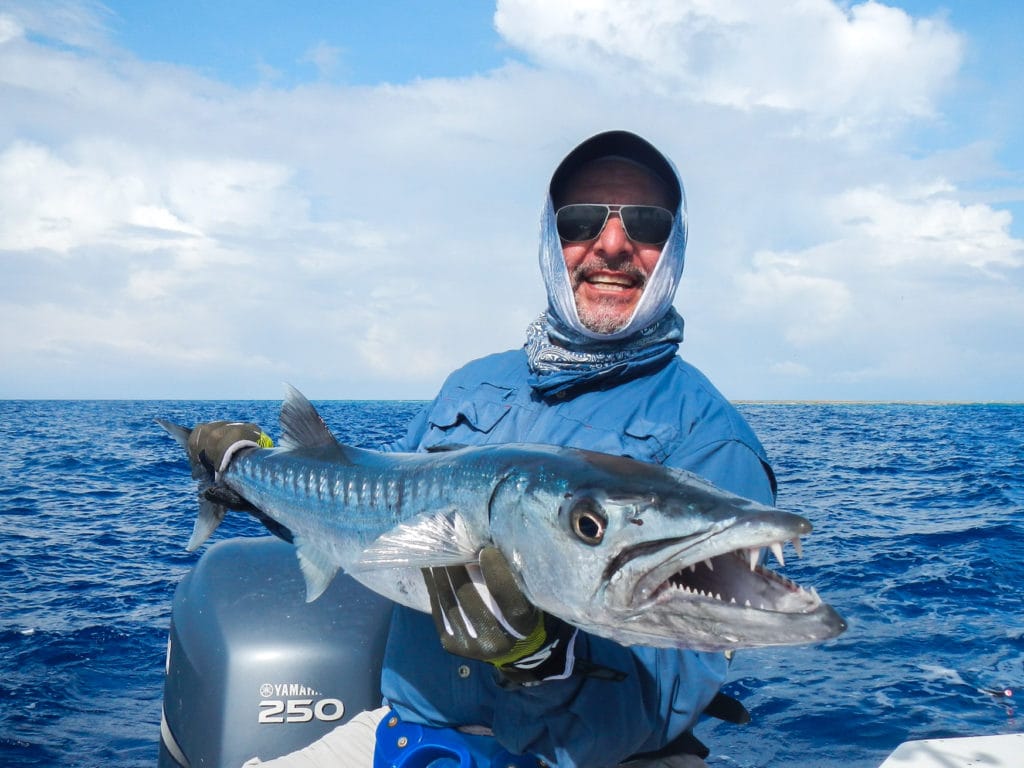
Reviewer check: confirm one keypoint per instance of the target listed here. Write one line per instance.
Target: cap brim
(618, 144)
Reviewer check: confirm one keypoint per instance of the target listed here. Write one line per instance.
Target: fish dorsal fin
(302, 427)
(427, 540)
(318, 569)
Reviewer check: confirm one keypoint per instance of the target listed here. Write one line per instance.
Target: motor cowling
(255, 670)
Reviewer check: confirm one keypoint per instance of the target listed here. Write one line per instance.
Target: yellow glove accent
(529, 644)
(265, 441)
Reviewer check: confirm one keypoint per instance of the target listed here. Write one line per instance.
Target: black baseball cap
(616, 144)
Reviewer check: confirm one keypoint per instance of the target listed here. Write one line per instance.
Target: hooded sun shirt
(563, 353)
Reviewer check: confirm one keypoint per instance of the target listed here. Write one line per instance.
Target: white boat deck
(1006, 751)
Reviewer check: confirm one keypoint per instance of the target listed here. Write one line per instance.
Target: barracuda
(635, 552)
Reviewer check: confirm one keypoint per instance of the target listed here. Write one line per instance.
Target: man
(599, 370)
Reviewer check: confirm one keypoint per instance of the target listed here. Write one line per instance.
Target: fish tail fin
(210, 516)
(181, 435)
(178, 432)
(211, 511)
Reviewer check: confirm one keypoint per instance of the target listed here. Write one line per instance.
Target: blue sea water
(919, 518)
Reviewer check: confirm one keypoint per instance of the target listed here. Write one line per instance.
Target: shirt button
(463, 671)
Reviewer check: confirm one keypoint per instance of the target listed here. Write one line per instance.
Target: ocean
(919, 532)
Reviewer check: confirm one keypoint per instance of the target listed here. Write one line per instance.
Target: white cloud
(926, 226)
(883, 240)
(10, 29)
(59, 204)
(807, 307)
(230, 194)
(868, 63)
(910, 281)
(370, 239)
(325, 58)
(80, 24)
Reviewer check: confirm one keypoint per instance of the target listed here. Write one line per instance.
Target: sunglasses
(648, 224)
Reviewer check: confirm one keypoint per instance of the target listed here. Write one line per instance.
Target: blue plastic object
(410, 745)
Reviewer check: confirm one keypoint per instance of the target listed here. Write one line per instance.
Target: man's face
(608, 274)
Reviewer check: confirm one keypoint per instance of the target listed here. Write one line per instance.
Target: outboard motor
(255, 670)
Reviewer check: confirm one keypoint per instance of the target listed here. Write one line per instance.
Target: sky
(205, 200)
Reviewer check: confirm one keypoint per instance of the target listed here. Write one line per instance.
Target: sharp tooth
(746, 604)
(709, 565)
(732, 601)
(693, 567)
(777, 551)
(754, 553)
(718, 597)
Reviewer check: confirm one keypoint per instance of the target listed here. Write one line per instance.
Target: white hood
(660, 290)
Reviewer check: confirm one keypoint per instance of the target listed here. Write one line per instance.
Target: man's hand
(480, 613)
(213, 444)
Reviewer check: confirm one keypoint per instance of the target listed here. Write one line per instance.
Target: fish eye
(588, 522)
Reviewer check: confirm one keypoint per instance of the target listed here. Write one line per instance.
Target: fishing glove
(480, 613)
(213, 444)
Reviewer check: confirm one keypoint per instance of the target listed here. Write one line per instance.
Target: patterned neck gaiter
(559, 361)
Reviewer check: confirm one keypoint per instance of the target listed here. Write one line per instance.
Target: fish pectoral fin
(427, 540)
(318, 569)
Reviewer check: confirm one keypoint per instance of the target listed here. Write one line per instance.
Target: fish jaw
(709, 592)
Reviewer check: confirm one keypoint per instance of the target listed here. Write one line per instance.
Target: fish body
(639, 553)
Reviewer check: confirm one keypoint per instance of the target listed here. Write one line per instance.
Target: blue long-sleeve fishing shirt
(673, 416)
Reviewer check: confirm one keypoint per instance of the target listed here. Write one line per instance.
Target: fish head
(648, 555)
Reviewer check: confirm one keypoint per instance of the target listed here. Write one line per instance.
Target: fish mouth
(721, 567)
(734, 579)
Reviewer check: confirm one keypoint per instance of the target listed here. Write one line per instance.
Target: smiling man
(608, 261)
(599, 370)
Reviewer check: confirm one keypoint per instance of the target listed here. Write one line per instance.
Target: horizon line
(737, 401)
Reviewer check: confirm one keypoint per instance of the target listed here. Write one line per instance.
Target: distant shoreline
(784, 402)
(878, 402)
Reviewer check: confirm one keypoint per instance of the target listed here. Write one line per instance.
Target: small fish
(639, 553)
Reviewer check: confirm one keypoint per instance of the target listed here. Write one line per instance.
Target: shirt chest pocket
(469, 417)
(638, 439)
(649, 441)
